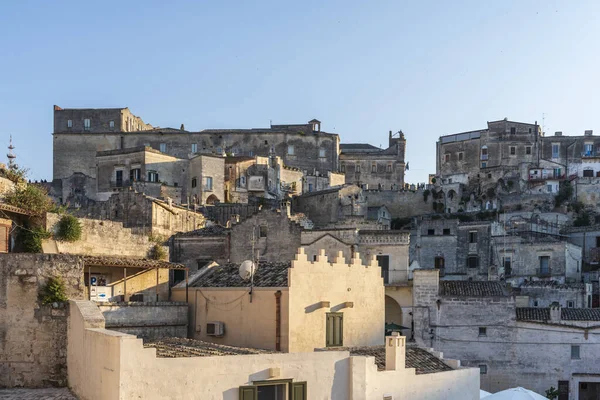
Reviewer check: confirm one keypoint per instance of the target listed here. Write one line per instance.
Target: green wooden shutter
(298, 391)
(248, 393)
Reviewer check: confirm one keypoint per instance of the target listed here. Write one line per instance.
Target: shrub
(426, 195)
(69, 229)
(433, 180)
(552, 393)
(30, 239)
(157, 252)
(53, 292)
(582, 219)
(564, 193)
(31, 198)
(158, 238)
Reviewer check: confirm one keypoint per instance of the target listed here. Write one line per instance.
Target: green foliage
(30, 239)
(583, 219)
(31, 198)
(157, 252)
(158, 239)
(552, 393)
(510, 183)
(426, 194)
(433, 180)
(14, 174)
(491, 192)
(486, 215)
(465, 218)
(565, 192)
(53, 292)
(69, 229)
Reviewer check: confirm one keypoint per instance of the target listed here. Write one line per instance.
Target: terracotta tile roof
(472, 289)
(181, 347)
(14, 209)
(533, 314)
(552, 284)
(423, 361)
(268, 274)
(580, 314)
(108, 261)
(214, 230)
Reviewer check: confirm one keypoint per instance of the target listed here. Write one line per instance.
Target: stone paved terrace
(37, 394)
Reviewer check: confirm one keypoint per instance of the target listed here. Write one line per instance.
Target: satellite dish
(247, 270)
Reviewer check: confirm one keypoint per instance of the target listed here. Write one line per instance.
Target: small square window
(263, 231)
(430, 232)
(194, 182)
(513, 151)
(482, 331)
(111, 124)
(343, 167)
(570, 304)
(389, 168)
(447, 157)
(575, 352)
(87, 124)
(194, 147)
(358, 168)
(528, 150)
(484, 164)
(460, 156)
(482, 369)
(70, 123)
(374, 168)
(163, 147)
(322, 153)
(290, 150)
(489, 176)
(513, 130)
(446, 231)
(536, 303)
(473, 262)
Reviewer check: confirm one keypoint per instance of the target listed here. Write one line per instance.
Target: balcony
(591, 153)
(484, 157)
(120, 183)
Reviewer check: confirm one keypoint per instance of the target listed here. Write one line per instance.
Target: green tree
(31, 198)
(69, 229)
(53, 292)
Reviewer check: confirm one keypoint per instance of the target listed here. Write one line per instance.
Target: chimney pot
(588, 132)
(558, 133)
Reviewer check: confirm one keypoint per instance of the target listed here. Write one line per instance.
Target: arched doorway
(393, 311)
(212, 199)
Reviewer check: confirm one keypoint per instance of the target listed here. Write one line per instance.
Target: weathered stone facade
(371, 167)
(33, 337)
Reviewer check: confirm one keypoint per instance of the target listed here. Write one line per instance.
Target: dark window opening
(472, 237)
(446, 231)
(263, 231)
(528, 150)
(430, 232)
(513, 130)
(473, 262)
(482, 331)
(384, 263)
(334, 329)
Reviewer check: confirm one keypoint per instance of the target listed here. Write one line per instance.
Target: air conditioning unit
(215, 328)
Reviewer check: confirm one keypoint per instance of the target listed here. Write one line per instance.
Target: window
(588, 149)
(439, 262)
(483, 164)
(219, 150)
(135, 174)
(389, 168)
(513, 151)
(473, 237)
(374, 168)
(209, 183)
(163, 147)
(243, 181)
(152, 176)
(513, 130)
(70, 123)
(334, 329)
(446, 157)
(384, 264)
(473, 262)
(588, 173)
(274, 390)
(194, 148)
(535, 303)
(544, 265)
(482, 331)
(570, 304)
(310, 187)
(322, 153)
(482, 369)
(555, 150)
(460, 156)
(529, 130)
(430, 232)
(290, 150)
(87, 124)
(343, 167)
(111, 124)
(358, 168)
(262, 231)
(575, 352)
(557, 172)
(194, 182)
(528, 150)
(484, 153)
(507, 262)
(446, 231)
(119, 177)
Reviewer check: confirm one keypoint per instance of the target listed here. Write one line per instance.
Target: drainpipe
(278, 320)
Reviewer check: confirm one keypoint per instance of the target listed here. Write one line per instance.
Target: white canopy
(518, 393)
(483, 393)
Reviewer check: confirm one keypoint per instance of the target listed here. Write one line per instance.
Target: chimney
(57, 108)
(588, 133)
(395, 352)
(555, 311)
(558, 133)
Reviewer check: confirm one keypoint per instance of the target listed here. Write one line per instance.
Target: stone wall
(147, 320)
(224, 213)
(99, 237)
(195, 251)
(401, 203)
(33, 337)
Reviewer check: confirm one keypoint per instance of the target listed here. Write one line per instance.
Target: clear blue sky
(363, 68)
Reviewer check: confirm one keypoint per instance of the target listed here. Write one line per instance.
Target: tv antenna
(248, 267)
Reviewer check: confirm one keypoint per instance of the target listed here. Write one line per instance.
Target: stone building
(76, 143)
(332, 205)
(482, 324)
(306, 293)
(371, 167)
(160, 369)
